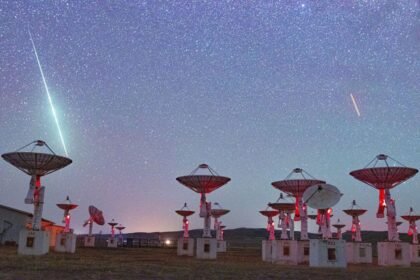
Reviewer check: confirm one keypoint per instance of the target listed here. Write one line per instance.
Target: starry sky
(147, 90)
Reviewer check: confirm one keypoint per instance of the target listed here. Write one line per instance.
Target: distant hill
(251, 237)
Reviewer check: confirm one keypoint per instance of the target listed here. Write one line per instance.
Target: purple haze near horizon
(147, 90)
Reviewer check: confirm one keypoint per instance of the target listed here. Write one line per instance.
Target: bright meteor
(355, 105)
(48, 94)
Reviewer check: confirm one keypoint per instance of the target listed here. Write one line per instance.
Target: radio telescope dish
(322, 196)
(282, 204)
(184, 211)
(203, 183)
(412, 228)
(96, 215)
(338, 225)
(67, 205)
(270, 223)
(269, 213)
(411, 217)
(120, 227)
(296, 187)
(355, 210)
(36, 164)
(384, 179)
(112, 224)
(218, 212)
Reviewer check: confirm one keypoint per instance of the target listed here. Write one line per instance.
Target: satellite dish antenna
(270, 213)
(96, 216)
(285, 208)
(355, 212)
(339, 226)
(204, 184)
(412, 218)
(36, 165)
(295, 185)
(185, 212)
(67, 205)
(384, 179)
(120, 228)
(322, 197)
(216, 213)
(112, 224)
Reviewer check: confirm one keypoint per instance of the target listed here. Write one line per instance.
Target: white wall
(18, 221)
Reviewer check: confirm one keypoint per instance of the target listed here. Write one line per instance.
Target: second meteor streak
(355, 105)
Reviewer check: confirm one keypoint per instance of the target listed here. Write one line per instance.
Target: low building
(12, 221)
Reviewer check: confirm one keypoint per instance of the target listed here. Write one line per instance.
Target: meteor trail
(355, 105)
(48, 94)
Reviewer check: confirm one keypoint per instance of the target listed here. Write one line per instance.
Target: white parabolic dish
(322, 196)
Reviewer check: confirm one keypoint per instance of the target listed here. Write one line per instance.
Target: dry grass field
(162, 263)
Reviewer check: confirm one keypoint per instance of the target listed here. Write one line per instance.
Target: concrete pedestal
(358, 252)
(415, 253)
(303, 251)
(112, 243)
(327, 253)
(221, 246)
(185, 247)
(394, 253)
(33, 242)
(267, 250)
(89, 241)
(285, 252)
(65, 243)
(206, 248)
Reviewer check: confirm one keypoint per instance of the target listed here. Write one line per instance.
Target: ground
(162, 263)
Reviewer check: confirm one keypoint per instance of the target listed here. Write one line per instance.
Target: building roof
(23, 212)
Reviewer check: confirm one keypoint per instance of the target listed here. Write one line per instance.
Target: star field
(147, 90)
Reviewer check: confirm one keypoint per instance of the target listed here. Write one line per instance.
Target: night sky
(147, 90)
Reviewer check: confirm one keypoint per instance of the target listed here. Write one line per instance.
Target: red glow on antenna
(382, 203)
(297, 212)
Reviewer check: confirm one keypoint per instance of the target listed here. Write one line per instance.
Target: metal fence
(101, 241)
